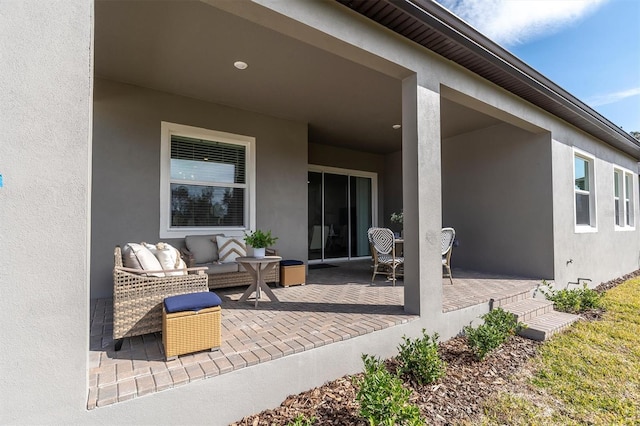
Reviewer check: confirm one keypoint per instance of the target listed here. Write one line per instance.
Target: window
(584, 191)
(617, 184)
(623, 199)
(628, 199)
(207, 181)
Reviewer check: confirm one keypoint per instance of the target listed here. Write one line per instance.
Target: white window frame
(630, 201)
(622, 185)
(618, 177)
(591, 161)
(167, 130)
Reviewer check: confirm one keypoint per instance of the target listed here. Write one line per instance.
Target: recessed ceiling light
(240, 65)
(396, 126)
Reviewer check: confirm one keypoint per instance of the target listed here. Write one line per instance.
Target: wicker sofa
(203, 251)
(137, 297)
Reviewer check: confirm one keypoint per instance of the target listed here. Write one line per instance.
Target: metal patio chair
(383, 250)
(448, 236)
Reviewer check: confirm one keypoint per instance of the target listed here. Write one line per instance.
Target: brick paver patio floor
(336, 304)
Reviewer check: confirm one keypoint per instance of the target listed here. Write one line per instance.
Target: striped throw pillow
(229, 248)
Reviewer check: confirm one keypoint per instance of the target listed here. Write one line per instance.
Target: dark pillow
(203, 247)
(290, 262)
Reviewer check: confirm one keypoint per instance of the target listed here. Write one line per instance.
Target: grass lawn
(588, 375)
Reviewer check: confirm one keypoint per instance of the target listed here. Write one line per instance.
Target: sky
(590, 48)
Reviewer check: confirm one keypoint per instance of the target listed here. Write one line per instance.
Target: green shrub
(382, 398)
(498, 326)
(419, 358)
(301, 420)
(483, 339)
(504, 321)
(574, 301)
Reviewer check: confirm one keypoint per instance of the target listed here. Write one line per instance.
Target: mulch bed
(458, 397)
(611, 284)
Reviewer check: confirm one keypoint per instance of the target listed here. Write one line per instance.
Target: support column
(422, 199)
(45, 161)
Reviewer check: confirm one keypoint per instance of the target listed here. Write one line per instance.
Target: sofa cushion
(169, 258)
(204, 248)
(150, 247)
(129, 258)
(229, 248)
(191, 302)
(221, 268)
(137, 256)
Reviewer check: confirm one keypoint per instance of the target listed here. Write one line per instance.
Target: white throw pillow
(229, 248)
(152, 248)
(137, 256)
(169, 258)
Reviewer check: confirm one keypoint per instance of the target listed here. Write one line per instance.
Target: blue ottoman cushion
(191, 302)
(291, 262)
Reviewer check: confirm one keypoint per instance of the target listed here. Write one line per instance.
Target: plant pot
(258, 252)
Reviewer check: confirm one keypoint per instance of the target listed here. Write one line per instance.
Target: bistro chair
(448, 236)
(384, 252)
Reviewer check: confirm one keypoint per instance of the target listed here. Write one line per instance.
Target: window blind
(201, 172)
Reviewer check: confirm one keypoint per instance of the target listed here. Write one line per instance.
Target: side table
(258, 267)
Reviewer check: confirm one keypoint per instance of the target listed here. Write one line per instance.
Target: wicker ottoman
(292, 272)
(191, 323)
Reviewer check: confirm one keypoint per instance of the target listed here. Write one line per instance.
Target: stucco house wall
(126, 175)
(497, 195)
(45, 162)
(607, 253)
(392, 189)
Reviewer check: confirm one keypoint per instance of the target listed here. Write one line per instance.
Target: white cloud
(511, 22)
(610, 98)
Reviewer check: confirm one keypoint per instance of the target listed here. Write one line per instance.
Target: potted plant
(399, 219)
(259, 240)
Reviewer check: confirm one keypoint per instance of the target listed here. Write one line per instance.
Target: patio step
(541, 320)
(502, 302)
(544, 326)
(527, 309)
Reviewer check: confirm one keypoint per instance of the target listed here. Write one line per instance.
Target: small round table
(258, 267)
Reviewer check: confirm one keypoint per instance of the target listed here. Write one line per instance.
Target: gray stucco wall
(126, 161)
(392, 188)
(333, 156)
(607, 253)
(497, 195)
(45, 155)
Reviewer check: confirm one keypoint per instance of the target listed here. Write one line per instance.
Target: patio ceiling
(188, 48)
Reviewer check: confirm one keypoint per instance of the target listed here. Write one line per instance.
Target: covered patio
(337, 303)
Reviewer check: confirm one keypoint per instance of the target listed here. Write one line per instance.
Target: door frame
(374, 199)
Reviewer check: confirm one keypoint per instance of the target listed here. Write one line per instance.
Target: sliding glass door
(341, 209)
